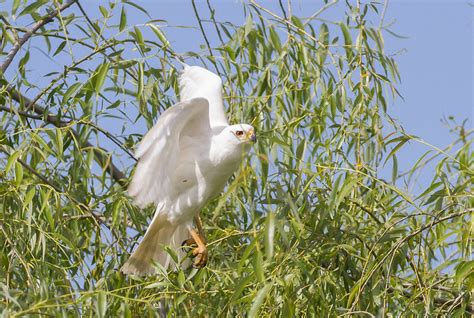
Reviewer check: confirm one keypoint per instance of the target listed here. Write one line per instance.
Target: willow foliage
(319, 222)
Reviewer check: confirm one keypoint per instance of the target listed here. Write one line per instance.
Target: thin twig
(28, 34)
(317, 13)
(202, 29)
(213, 19)
(66, 71)
(213, 60)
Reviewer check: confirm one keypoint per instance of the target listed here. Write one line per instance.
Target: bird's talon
(200, 259)
(188, 242)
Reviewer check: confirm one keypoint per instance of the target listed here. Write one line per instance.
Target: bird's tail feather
(161, 233)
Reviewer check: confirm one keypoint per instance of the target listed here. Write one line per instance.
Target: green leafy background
(319, 221)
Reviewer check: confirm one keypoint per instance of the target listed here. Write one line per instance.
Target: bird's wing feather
(195, 82)
(159, 150)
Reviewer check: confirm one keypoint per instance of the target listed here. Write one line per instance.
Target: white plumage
(183, 162)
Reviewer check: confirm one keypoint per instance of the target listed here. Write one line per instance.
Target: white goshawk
(184, 161)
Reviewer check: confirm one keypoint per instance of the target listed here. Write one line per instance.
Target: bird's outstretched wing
(195, 82)
(159, 150)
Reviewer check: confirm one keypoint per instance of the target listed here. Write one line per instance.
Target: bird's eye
(239, 133)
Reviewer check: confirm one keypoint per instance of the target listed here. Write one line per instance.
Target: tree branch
(60, 123)
(439, 301)
(101, 159)
(29, 33)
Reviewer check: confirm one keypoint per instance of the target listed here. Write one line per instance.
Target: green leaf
(133, 4)
(32, 8)
(99, 76)
(16, 4)
(161, 36)
(347, 41)
(275, 39)
(394, 169)
(104, 11)
(123, 19)
(269, 235)
(257, 303)
(258, 265)
(59, 142)
(240, 286)
(18, 173)
(181, 279)
(59, 48)
(138, 36)
(248, 25)
(70, 91)
(140, 84)
(463, 270)
(101, 304)
(12, 159)
(29, 196)
(401, 141)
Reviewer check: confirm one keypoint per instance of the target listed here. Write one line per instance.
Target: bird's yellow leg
(190, 241)
(200, 252)
(197, 221)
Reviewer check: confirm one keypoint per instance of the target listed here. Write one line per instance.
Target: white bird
(184, 161)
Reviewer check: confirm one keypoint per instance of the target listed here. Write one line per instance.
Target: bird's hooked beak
(251, 135)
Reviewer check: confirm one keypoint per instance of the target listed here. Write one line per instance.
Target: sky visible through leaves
(434, 55)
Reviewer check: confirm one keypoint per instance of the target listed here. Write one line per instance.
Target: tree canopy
(319, 221)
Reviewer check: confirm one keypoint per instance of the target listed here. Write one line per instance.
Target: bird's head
(242, 134)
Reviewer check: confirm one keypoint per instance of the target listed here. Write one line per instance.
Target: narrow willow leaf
(463, 270)
(100, 76)
(324, 40)
(258, 265)
(401, 141)
(70, 91)
(12, 159)
(394, 169)
(181, 279)
(248, 25)
(18, 173)
(257, 303)
(347, 41)
(161, 36)
(123, 19)
(133, 4)
(138, 36)
(101, 303)
(240, 286)
(59, 48)
(116, 209)
(32, 8)
(59, 142)
(269, 235)
(16, 4)
(248, 250)
(29, 196)
(103, 11)
(345, 189)
(275, 39)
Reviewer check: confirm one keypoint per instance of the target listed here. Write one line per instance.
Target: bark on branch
(101, 159)
(29, 33)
